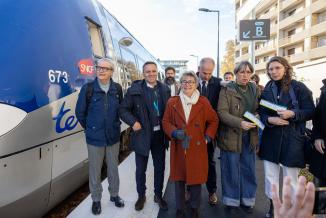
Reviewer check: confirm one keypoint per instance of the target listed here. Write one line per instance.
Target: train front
(45, 57)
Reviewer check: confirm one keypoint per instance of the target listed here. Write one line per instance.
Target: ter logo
(69, 123)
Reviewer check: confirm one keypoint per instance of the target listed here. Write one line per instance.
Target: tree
(228, 58)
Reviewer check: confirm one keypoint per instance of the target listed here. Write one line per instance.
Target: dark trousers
(158, 155)
(211, 179)
(195, 193)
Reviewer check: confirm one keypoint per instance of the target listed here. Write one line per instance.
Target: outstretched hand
(300, 204)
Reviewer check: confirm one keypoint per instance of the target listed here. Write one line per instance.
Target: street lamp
(218, 37)
(196, 56)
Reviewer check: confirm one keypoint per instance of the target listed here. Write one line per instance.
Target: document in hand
(272, 106)
(254, 119)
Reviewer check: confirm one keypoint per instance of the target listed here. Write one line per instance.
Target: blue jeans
(238, 175)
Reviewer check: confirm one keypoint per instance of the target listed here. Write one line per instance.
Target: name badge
(157, 128)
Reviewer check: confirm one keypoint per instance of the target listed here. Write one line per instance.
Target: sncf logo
(86, 66)
(69, 122)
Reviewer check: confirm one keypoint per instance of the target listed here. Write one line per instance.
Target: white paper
(272, 106)
(254, 119)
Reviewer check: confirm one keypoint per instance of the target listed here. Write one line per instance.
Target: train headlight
(10, 117)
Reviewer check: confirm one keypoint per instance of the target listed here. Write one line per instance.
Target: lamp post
(196, 56)
(218, 37)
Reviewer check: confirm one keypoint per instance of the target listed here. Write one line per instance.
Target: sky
(175, 29)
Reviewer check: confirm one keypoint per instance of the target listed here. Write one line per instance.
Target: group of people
(193, 116)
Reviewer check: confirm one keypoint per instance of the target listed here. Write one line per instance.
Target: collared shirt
(104, 87)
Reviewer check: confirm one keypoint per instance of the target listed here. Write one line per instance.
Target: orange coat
(191, 165)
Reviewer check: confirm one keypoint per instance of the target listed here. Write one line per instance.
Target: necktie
(204, 89)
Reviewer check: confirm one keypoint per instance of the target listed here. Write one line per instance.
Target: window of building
(291, 32)
(322, 17)
(290, 13)
(321, 41)
(266, 58)
(96, 38)
(291, 51)
(245, 50)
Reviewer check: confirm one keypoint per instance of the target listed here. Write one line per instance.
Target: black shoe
(139, 205)
(247, 209)
(96, 207)
(270, 213)
(161, 203)
(232, 211)
(194, 213)
(118, 202)
(180, 214)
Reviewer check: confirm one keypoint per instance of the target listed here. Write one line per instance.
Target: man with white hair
(97, 112)
(210, 86)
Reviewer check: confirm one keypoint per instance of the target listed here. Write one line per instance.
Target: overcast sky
(175, 29)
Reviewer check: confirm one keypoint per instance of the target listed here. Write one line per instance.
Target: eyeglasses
(103, 69)
(274, 68)
(190, 82)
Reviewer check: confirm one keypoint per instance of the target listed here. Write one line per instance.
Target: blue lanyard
(155, 104)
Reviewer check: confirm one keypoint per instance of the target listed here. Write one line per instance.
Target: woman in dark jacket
(318, 160)
(282, 142)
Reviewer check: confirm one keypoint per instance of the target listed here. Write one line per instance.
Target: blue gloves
(179, 134)
(186, 142)
(208, 139)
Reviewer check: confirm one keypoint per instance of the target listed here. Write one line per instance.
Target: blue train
(47, 52)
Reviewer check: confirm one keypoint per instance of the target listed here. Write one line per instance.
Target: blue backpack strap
(294, 100)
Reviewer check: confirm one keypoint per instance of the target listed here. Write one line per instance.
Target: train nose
(10, 117)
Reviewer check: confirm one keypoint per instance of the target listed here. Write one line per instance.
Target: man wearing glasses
(97, 112)
(142, 109)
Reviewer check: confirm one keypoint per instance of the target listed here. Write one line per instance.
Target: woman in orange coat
(190, 121)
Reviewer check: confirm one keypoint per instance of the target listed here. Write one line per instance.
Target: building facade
(297, 31)
(179, 65)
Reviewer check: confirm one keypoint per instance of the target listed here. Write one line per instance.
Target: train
(48, 50)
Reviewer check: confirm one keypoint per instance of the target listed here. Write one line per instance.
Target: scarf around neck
(187, 102)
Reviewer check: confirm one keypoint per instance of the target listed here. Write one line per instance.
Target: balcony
(318, 29)
(264, 4)
(318, 6)
(291, 20)
(241, 45)
(244, 57)
(286, 4)
(270, 14)
(297, 37)
(297, 58)
(260, 66)
(319, 52)
(265, 50)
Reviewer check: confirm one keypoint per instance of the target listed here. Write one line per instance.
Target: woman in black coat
(318, 159)
(282, 142)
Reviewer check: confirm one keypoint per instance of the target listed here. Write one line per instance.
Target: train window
(96, 39)
(141, 62)
(129, 64)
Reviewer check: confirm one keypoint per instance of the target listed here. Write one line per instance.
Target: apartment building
(297, 31)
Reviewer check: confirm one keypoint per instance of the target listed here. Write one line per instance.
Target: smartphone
(320, 201)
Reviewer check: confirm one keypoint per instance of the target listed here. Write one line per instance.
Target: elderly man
(142, 109)
(209, 86)
(97, 112)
